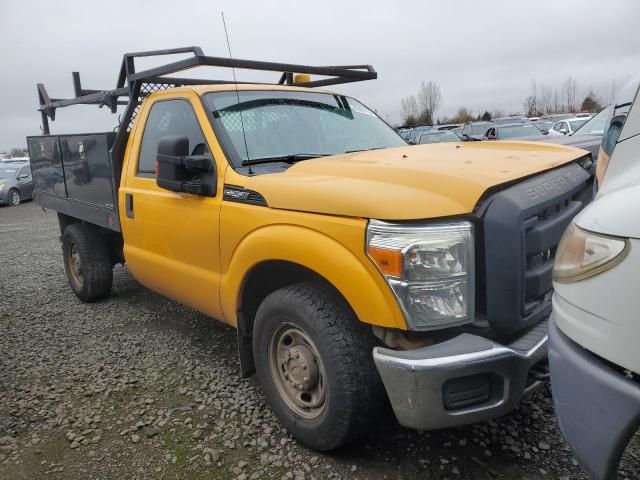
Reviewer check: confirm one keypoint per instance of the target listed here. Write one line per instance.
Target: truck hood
(406, 183)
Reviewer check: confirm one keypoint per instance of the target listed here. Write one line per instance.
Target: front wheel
(314, 362)
(14, 197)
(87, 262)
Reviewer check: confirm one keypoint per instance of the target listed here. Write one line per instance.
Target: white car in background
(567, 126)
(594, 332)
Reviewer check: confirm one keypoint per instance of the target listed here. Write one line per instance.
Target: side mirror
(22, 177)
(177, 171)
(545, 131)
(563, 130)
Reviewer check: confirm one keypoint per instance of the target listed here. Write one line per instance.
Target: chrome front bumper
(463, 380)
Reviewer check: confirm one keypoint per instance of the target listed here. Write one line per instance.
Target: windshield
(595, 125)
(289, 123)
(576, 124)
(560, 116)
(7, 172)
(544, 125)
(440, 137)
(480, 129)
(519, 131)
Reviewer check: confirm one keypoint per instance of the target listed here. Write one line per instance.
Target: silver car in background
(16, 183)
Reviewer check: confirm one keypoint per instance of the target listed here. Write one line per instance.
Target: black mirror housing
(178, 172)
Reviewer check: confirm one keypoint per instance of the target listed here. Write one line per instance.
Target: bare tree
(410, 110)
(429, 100)
(546, 99)
(463, 115)
(409, 106)
(570, 95)
(18, 152)
(557, 103)
(531, 102)
(609, 96)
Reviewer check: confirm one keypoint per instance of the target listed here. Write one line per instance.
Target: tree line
(16, 152)
(420, 109)
(545, 100)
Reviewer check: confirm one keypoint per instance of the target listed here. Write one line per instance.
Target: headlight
(582, 254)
(430, 268)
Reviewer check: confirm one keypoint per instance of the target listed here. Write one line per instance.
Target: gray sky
(483, 54)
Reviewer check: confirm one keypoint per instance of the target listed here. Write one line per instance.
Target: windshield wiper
(363, 149)
(295, 157)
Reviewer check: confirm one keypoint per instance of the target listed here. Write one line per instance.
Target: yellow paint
(199, 250)
(407, 183)
(172, 243)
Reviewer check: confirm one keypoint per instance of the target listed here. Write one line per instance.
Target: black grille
(542, 235)
(522, 227)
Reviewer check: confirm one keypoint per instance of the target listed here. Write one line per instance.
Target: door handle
(128, 204)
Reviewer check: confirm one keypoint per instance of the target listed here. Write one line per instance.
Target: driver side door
(171, 239)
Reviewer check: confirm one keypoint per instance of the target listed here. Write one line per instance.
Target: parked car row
(16, 183)
(567, 126)
(437, 136)
(511, 127)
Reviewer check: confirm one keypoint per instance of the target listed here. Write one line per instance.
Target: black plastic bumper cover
(598, 408)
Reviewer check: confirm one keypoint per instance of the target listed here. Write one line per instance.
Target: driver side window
(169, 117)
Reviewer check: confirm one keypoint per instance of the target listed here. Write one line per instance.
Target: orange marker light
(389, 261)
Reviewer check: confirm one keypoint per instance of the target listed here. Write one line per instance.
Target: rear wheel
(14, 197)
(314, 361)
(87, 262)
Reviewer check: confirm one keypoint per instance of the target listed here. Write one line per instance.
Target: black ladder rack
(133, 86)
(127, 91)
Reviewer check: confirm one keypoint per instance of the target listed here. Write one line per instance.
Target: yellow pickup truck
(358, 270)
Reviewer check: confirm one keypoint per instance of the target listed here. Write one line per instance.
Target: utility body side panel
(73, 174)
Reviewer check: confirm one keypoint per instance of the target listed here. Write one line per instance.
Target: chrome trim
(415, 385)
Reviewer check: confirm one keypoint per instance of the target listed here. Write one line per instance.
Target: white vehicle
(567, 126)
(595, 330)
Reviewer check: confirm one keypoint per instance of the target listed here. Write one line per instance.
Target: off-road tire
(11, 195)
(95, 264)
(354, 393)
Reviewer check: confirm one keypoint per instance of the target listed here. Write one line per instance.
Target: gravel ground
(138, 386)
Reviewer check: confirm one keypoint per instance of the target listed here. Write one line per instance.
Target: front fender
(354, 276)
